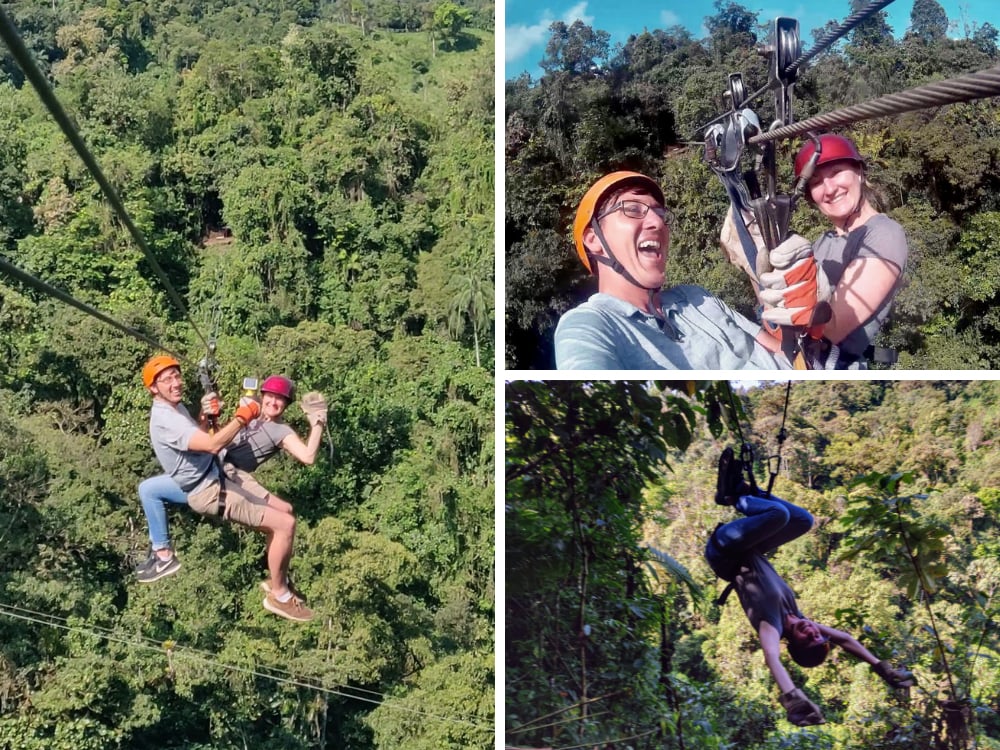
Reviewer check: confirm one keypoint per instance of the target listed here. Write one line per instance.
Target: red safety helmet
(279, 385)
(585, 211)
(833, 148)
(157, 364)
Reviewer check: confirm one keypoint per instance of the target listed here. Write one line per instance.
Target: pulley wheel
(787, 45)
(737, 90)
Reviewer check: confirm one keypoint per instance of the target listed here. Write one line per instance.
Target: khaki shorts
(246, 499)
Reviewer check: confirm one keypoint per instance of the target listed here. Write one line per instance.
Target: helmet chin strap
(612, 261)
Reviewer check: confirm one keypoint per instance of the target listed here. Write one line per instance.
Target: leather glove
(796, 285)
(729, 239)
(894, 678)
(248, 412)
(210, 404)
(799, 710)
(789, 252)
(314, 406)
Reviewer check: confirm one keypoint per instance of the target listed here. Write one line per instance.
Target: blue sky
(527, 21)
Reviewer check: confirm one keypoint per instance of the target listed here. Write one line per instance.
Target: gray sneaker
(153, 569)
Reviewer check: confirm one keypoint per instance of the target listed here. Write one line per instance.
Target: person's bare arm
(862, 289)
(770, 642)
(848, 643)
(206, 442)
(304, 453)
(213, 442)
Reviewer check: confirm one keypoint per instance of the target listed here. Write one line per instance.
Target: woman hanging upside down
(735, 551)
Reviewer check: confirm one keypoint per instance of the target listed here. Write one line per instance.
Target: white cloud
(577, 12)
(668, 18)
(521, 38)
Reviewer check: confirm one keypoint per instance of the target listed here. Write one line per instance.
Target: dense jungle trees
(613, 632)
(594, 110)
(319, 191)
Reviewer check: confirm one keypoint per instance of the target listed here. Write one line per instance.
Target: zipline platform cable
(276, 675)
(31, 71)
(979, 85)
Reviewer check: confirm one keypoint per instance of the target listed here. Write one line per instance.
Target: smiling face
(272, 406)
(803, 632)
(169, 386)
(640, 245)
(837, 189)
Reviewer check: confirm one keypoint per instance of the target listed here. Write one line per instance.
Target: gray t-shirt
(700, 332)
(256, 443)
(879, 237)
(764, 595)
(170, 431)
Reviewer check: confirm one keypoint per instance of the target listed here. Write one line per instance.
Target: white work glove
(795, 287)
(314, 406)
(729, 239)
(210, 405)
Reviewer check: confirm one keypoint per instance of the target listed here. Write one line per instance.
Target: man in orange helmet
(194, 476)
(622, 235)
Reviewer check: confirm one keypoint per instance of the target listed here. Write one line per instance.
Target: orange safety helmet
(832, 148)
(588, 205)
(152, 369)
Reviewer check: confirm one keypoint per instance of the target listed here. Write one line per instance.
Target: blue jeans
(154, 494)
(766, 525)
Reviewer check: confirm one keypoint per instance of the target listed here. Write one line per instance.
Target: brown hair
(808, 656)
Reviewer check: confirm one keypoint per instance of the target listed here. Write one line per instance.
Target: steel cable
(181, 651)
(31, 71)
(821, 45)
(979, 85)
(35, 283)
(834, 34)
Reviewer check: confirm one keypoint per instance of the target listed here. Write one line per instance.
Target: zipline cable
(979, 85)
(834, 34)
(54, 621)
(151, 643)
(24, 60)
(821, 46)
(26, 278)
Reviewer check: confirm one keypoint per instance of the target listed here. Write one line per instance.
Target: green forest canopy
(317, 180)
(612, 626)
(638, 106)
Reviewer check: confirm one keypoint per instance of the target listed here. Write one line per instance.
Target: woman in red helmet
(859, 262)
(265, 436)
(259, 441)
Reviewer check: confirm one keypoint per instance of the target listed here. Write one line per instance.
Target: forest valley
(316, 179)
(614, 637)
(642, 106)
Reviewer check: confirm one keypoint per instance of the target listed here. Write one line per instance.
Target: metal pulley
(725, 142)
(783, 48)
(737, 91)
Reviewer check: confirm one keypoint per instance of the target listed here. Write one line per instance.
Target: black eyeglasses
(637, 210)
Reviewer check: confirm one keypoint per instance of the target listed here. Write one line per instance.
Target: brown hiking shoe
(293, 609)
(265, 586)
